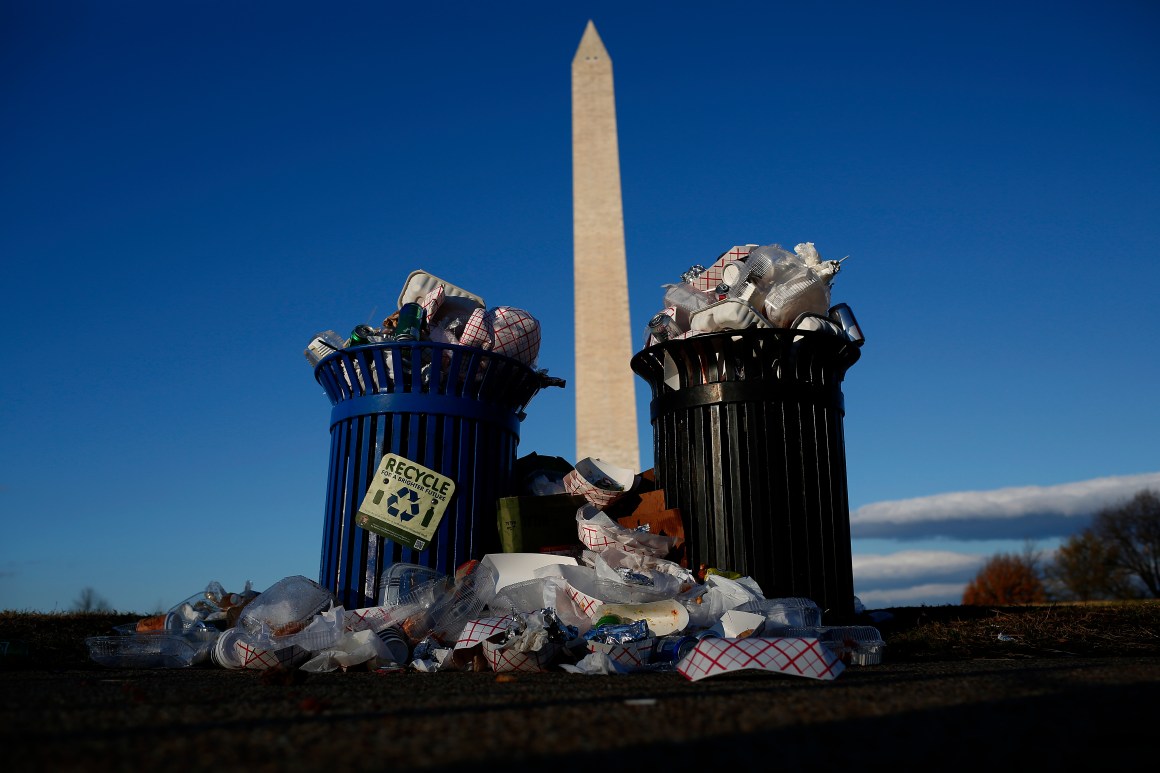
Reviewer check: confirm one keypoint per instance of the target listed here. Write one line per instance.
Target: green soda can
(412, 322)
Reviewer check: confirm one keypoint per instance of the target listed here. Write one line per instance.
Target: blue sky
(191, 190)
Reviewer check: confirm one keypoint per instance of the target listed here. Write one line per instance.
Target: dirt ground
(953, 695)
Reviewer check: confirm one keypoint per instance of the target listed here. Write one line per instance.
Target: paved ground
(973, 714)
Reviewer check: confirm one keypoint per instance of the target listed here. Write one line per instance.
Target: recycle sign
(405, 502)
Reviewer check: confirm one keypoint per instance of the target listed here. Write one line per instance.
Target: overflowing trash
(594, 577)
(435, 311)
(619, 607)
(753, 286)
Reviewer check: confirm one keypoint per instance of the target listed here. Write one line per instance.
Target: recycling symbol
(395, 505)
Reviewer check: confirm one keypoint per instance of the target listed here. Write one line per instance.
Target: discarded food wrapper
(667, 578)
(507, 657)
(707, 602)
(795, 657)
(589, 592)
(729, 314)
(530, 644)
(351, 650)
(631, 655)
(511, 568)
(735, 624)
(600, 482)
(477, 631)
(663, 617)
(252, 655)
(598, 533)
(715, 274)
(504, 330)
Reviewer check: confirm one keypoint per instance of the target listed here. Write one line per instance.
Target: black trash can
(748, 443)
(455, 410)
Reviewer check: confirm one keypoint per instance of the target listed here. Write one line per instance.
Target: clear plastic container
(325, 343)
(686, 299)
(526, 596)
(441, 608)
(285, 607)
(400, 580)
(785, 613)
(859, 645)
(155, 650)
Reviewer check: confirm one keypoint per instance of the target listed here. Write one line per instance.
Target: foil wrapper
(622, 633)
(635, 578)
(694, 271)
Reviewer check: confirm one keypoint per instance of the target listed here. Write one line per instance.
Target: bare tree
(90, 601)
(1132, 530)
(1087, 568)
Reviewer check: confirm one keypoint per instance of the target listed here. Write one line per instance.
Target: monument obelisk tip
(591, 45)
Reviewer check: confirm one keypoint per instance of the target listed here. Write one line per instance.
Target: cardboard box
(545, 524)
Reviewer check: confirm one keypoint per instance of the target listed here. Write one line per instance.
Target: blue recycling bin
(451, 409)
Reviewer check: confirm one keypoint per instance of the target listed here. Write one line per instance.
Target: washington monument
(605, 392)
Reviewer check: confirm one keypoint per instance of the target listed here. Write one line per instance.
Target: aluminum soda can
(661, 326)
(412, 322)
(842, 315)
(670, 649)
(361, 336)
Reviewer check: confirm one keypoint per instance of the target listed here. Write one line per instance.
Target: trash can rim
(413, 344)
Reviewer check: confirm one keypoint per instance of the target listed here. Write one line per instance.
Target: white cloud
(1026, 512)
(930, 594)
(907, 567)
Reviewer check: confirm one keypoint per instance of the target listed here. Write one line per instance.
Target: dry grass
(1105, 629)
(30, 640)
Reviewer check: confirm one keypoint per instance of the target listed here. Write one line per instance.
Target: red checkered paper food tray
(503, 659)
(477, 631)
(633, 654)
(511, 332)
(575, 483)
(792, 656)
(711, 277)
(254, 656)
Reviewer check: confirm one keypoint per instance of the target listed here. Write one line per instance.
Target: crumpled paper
(598, 532)
(665, 577)
(351, 650)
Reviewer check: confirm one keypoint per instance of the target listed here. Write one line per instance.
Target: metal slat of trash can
(454, 409)
(748, 443)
